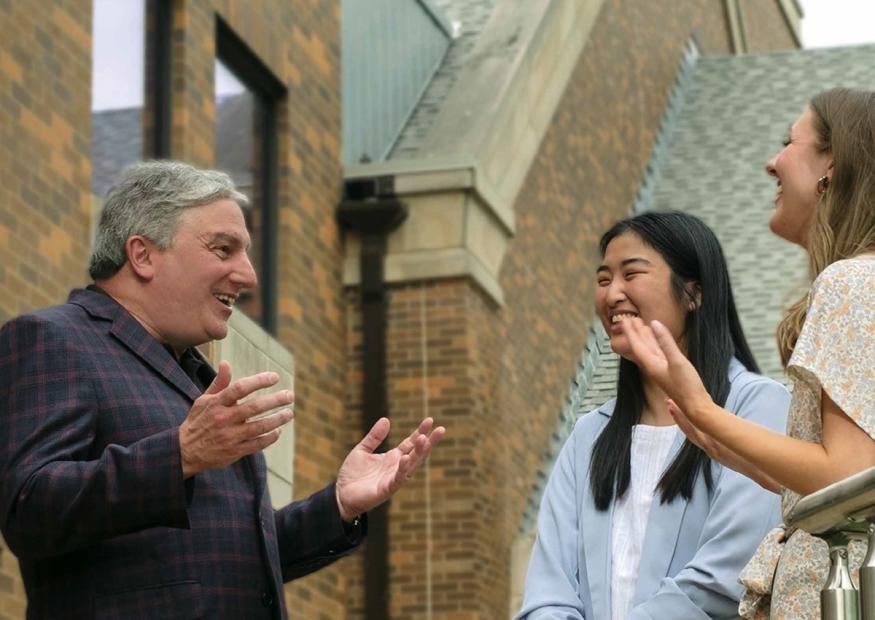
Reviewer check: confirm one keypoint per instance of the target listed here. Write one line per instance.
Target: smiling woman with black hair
(636, 522)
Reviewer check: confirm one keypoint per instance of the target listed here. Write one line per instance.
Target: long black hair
(713, 335)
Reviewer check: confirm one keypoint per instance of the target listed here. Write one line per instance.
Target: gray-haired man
(131, 479)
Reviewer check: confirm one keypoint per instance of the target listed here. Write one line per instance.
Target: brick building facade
(493, 370)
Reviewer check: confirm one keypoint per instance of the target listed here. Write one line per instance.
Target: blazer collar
(607, 409)
(127, 330)
(735, 369)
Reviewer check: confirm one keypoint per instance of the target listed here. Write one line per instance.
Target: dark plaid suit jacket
(92, 498)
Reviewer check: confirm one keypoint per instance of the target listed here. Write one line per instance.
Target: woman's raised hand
(656, 353)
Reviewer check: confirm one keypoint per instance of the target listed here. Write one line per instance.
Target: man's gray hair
(147, 200)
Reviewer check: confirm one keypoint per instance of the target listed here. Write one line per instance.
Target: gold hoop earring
(822, 185)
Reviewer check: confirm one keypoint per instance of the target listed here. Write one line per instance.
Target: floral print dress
(835, 353)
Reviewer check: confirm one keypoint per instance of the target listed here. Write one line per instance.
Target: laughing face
(199, 277)
(797, 168)
(635, 281)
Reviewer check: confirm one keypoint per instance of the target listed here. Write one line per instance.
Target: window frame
(238, 57)
(159, 80)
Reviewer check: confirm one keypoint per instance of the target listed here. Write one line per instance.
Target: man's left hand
(367, 479)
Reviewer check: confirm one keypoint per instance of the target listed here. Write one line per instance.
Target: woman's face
(797, 168)
(635, 281)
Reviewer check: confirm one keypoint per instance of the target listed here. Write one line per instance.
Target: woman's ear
(694, 291)
(140, 251)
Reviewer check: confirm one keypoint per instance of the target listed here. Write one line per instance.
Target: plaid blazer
(92, 498)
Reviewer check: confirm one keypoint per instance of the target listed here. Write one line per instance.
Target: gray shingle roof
(737, 110)
(117, 141)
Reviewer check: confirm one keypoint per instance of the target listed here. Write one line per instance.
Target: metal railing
(839, 513)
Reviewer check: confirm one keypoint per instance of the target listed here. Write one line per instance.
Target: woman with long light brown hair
(825, 202)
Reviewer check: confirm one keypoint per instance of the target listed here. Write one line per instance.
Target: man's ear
(141, 254)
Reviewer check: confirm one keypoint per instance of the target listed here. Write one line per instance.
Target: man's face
(200, 276)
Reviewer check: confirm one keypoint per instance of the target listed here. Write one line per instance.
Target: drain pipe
(370, 208)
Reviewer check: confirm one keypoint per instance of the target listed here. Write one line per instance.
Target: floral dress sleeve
(836, 348)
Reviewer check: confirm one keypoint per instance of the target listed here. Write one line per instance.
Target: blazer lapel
(126, 329)
(596, 531)
(660, 539)
(134, 336)
(595, 526)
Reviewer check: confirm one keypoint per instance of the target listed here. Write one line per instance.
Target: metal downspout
(370, 208)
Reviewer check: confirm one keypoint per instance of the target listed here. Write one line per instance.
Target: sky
(117, 75)
(117, 80)
(827, 23)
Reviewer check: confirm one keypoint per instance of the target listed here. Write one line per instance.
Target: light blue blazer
(693, 550)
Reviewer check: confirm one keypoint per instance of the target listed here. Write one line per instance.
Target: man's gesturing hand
(366, 479)
(219, 430)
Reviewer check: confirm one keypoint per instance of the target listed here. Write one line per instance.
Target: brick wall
(442, 363)
(45, 173)
(12, 598)
(44, 162)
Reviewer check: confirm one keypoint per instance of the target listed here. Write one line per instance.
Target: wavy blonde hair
(843, 224)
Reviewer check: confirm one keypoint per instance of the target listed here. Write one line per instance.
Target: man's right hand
(219, 430)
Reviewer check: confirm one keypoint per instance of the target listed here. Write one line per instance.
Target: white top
(650, 448)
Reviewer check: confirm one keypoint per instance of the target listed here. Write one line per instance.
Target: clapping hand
(656, 353)
(367, 479)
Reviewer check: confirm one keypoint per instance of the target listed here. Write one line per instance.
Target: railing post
(839, 598)
(837, 513)
(867, 577)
